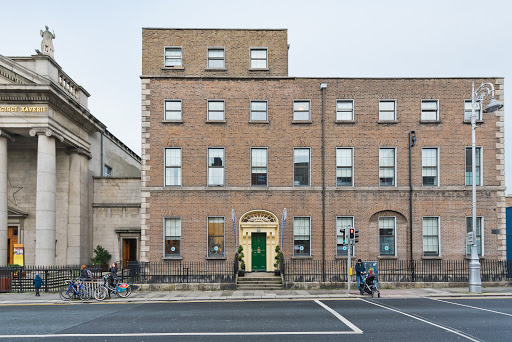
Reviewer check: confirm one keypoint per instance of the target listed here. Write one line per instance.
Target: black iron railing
(19, 278)
(399, 270)
(212, 271)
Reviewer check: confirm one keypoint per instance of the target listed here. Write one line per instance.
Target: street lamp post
(485, 89)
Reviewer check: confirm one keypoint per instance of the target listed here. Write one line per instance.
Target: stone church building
(66, 183)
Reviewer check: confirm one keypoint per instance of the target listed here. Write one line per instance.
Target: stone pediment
(10, 77)
(14, 73)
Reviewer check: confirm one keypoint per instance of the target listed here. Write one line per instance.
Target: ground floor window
(431, 236)
(469, 229)
(343, 223)
(215, 236)
(172, 236)
(387, 235)
(301, 236)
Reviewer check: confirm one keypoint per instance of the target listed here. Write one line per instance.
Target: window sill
(468, 122)
(173, 68)
(350, 122)
(215, 69)
(307, 122)
(216, 258)
(172, 258)
(430, 121)
(172, 186)
(388, 121)
(298, 257)
(468, 257)
(431, 258)
(172, 121)
(259, 122)
(259, 69)
(387, 257)
(215, 186)
(215, 121)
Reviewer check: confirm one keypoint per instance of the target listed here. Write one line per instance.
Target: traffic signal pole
(349, 263)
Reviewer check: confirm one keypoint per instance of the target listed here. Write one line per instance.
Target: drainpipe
(323, 86)
(412, 142)
(101, 162)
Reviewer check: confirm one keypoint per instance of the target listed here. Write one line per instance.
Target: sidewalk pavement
(167, 296)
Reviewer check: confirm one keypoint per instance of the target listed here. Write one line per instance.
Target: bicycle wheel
(125, 293)
(84, 294)
(66, 292)
(100, 293)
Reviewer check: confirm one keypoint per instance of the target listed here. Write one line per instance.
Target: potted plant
(279, 259)
(241, 270)
(102, 256)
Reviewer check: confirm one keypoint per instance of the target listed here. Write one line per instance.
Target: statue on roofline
(47, 43)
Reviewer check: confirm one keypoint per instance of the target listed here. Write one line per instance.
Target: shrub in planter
(241, 270)
(279, 258)
(102, 256)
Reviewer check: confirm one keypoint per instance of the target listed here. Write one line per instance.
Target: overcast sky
(98, 43)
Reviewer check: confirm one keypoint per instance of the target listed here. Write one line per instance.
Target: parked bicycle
(74, 289)
(122, 290)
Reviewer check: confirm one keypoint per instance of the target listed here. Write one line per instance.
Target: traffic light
(356, 236)
(352, 230)
(343, 236)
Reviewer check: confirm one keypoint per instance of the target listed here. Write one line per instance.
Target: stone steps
(259, 281)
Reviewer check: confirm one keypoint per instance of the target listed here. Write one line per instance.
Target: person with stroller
(359, 269)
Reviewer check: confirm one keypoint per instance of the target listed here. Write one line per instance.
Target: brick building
(224, 127)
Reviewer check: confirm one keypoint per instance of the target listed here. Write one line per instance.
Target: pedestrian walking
(359, 268)
(38, 282)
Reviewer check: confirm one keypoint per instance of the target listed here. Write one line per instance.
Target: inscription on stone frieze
(22, 109)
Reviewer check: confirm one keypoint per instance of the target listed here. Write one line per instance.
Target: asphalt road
(383, 319)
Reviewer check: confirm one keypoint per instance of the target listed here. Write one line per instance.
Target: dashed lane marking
(424, 321)
(471, 307)
(340, 317)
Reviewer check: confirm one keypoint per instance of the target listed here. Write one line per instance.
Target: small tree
(102, 256)
(278, 257)
(241, 257)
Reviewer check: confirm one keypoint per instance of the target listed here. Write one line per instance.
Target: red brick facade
(366, 201)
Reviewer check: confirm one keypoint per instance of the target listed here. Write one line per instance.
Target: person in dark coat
(84, 275)
(38, 282)
(359, 268)
(113, 274)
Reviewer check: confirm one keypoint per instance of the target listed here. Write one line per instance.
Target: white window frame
(481, 149)
(258, 59)
(223, 255)
(437, 165)
(482, 235)
(181, 235)
(344, 111)
(302, 148)
(302, 111)
(259, 148)
(208, 166)
(430, 111)
(216, 111)
(395, 172)
(339, 234)
(258, 111)
(181, 57)
(352, 165)
(438, 234)
(394, 233)
(173, 111)
(479, 111)
(173, 167)
(387, 111)
(223, 59)
(310, 229)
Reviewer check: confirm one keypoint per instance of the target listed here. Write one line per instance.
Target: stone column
(3, 196)
(77, 217)
(45, 196)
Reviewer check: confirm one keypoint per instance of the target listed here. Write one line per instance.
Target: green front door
(259, 251)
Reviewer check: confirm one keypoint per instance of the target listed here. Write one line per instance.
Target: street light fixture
(478, 96)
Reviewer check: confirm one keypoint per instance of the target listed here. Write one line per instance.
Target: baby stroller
(369, 284)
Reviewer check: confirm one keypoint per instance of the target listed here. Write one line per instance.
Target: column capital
(46, 131)
(6, 135)
(80, 151)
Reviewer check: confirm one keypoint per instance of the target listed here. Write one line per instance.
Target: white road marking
(340, 317)
(255, 333)
(425, 321)
(472, 307)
